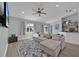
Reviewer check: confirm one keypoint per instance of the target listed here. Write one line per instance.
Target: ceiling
(24, 10)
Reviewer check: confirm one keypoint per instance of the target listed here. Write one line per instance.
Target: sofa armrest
(59, 38)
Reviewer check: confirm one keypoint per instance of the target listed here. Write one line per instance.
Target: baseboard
(5, 50)
(72, 43)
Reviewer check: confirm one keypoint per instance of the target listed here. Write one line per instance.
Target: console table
(12, 39)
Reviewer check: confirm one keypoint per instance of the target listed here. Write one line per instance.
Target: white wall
(15, 23)
(15, 26)
(37, 27)
(3, 41)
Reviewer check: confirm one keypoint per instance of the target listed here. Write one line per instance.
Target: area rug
(30, 48)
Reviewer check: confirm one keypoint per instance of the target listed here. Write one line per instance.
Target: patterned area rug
(30, 48)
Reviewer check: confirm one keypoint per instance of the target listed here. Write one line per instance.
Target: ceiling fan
(39, 11)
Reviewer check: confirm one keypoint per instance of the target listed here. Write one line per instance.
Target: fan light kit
(57, 5)
(39, 11)
(22, 12)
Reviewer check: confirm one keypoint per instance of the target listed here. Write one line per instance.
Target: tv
(4, 17)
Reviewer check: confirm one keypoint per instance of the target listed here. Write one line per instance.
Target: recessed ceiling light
(74, 10)
(22, 12)
(57, 5)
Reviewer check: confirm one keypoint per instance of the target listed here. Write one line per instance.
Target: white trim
(72, 42)
(5, 50)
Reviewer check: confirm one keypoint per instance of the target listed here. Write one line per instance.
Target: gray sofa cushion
(51, 44)
(59, 38)
(51, 47)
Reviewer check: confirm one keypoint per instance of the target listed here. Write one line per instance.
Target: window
(29, 28)
(45, 29)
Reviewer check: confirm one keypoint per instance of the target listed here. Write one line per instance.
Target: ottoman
(50, 47)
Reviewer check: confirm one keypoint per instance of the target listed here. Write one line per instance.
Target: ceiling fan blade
(34, 10)
(42, 9)
(38, 8)
(43, 13)
(34, 13)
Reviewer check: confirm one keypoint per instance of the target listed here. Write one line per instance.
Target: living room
(33, 23)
